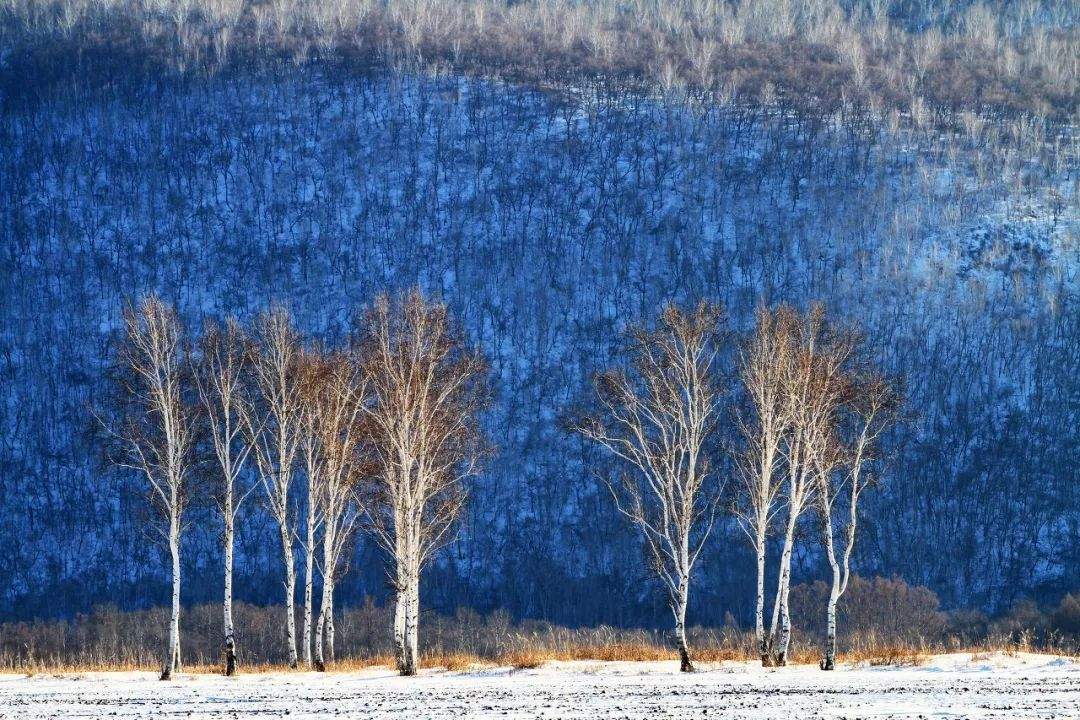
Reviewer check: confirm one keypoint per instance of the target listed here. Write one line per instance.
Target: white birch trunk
(412, 626)
(829, 662)
(290, 592)
(172, 654)
(230, 639)
(399, 624)
(309, 561)
(320, 625)
(685, 665)
(759, 609)
(327, 600)
(781, 611)
(330, 627)
(154, 354)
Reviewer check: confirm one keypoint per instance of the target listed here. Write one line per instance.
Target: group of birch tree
(383, 432)
(377, 434)
(808, 417)
(814, 413)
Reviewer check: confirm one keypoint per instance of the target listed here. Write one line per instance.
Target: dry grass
(619, 651)
(525, 659)
(537, 656)
(350, 664)
(109, 640)
(452, 662)
(891, 657)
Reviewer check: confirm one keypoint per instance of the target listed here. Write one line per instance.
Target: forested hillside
(548, 216)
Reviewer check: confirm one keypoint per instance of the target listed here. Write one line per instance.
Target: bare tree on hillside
(659, 418)
(157, 431)
(425, 395)
(311, 377)
(219, 377)
(814, 388)
(842, 475)
(762, 426)
(342, 393)
(272, 422)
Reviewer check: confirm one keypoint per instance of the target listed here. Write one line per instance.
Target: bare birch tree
(340, 399)
(814, 391)
(425, 395)
(157, 431)
(219, 378)
(658, 419)
(272, 423)
(762, 360)
(842, 475)
(311, 377)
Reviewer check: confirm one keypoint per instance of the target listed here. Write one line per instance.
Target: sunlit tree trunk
(219, 379)
(781, 612)
(272, 423)
(309, 573)
(759, 605)
(227, 604)
(425, 389)
(290, 592)
(658, 421)
(172, 654)
(157, 432)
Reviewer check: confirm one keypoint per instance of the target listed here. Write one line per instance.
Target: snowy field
(1026, 686)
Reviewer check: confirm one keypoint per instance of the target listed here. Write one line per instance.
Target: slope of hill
(547, 219)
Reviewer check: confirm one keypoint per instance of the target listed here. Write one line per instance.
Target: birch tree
(658, 419)
(340, 402)
(762, 426)
(842, 475)
(425, 395)
(310, 371)
(219, 378)
(157, 431)
(272, 423)
(813, 388)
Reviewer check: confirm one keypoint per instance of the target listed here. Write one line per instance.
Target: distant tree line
(925, 58)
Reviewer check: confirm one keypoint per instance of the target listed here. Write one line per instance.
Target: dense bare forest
(555, 173)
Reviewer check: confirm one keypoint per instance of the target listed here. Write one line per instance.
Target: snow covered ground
(998, 686)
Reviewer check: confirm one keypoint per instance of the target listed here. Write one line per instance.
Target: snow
(959, 685)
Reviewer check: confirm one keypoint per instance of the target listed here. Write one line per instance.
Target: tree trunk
(829, 661)
(685, 664)
(309, 562)
(783, 639)
(330, 630)
(412, 628)
(319, 661)
(784, 642)
(400, 602)
(230, 639)
(407, 622)
(759, 612)
(172, 654)
(290, 593)
(321, 629)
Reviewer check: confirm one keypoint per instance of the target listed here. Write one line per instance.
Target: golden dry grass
(525, 659)
(454, 661)
(891, 657)
(536, 655)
